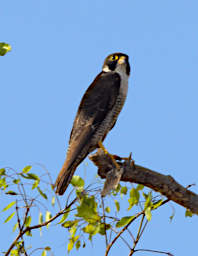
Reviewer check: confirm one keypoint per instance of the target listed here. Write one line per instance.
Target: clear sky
(58, 47)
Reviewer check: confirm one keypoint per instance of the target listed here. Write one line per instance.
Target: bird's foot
(111, 156)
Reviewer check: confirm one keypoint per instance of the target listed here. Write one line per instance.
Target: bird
(96, 116)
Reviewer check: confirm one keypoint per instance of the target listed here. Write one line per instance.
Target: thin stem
(119, 234)
(38, 226)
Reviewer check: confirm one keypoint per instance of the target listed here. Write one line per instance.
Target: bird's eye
(114, 57)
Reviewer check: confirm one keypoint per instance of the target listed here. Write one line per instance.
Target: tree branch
(164, 184)
(22, 232)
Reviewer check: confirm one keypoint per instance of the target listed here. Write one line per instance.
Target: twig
(104, 221)
(39, 226)
(138, 235)
(155, 251)
(119, 234)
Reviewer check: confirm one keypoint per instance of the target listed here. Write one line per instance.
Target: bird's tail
(64, 177)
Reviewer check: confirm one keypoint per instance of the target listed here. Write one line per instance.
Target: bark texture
(164, 184)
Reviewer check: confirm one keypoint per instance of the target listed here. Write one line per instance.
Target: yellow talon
(107, 153)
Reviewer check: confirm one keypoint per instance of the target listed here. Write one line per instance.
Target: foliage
(4, 48)
(84, 216)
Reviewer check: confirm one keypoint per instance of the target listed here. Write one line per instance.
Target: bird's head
(117, 62)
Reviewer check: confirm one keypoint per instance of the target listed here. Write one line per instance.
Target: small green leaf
(148, 198)
(3, 183)
(27, 169)
(28, 233)
(117, 204)
(107, 209)
(2, 171)
(188, 213)
(69, 224)
(64, 217)
(47, 217)
(33, 176)
(35, 184)
(8, 206)
(9, 217)
(4, 48)
(44, 253)
(124, 221)
(91, 229)
(77, 181)
(47, 248)
(15, 227)
(148, 213)
(42, 193)
(134, 198)
(16, 181)
(28, 221)
(123, 190)
(53, 201)
(103, 227)
(40, 218)
(70, 245)
(139, 187)
(78, 244)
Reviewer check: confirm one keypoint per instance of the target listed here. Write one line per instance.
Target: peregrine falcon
(96, 115)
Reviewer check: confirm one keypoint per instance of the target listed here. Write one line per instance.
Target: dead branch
(164, 184)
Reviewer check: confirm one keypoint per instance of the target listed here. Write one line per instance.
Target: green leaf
(88, 209)
(33, 176)
(47, 217)
(42, 193)
(2, 171)
(69, 224)
(148, 213)
(40, 218)
(35, 184)
(44, 253)
(12, 193)
(9, 217)
(3, 183)
(134, 198)
(4, 48)
(103, 227)
(15, 227)
(123, 190)
(28, 221)
(64, 217)
(124, 221)
(47, 248)
(188, 213)
(107, 209)
(78, 244)
(8, 206)
(91, 230)
(28, 233)
(117, 204)
(40, 221)
(27, 169)
(139, 187)
(53, 201)
(77, 181)
(16, 181)
(15, 252)
(148, 198)
(70, 245)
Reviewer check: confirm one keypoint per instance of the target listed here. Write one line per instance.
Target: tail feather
(64, 178)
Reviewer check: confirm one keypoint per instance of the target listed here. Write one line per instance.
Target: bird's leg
(107, 153)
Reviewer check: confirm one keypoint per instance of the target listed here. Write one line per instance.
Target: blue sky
(57, 50)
